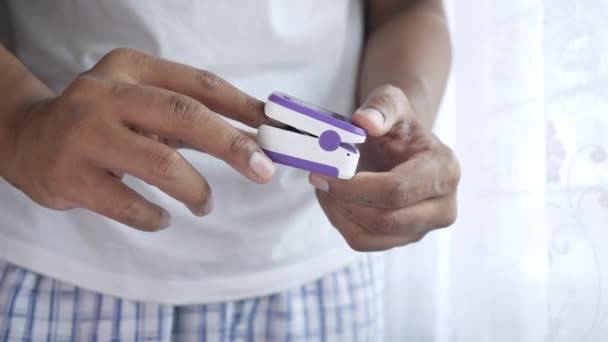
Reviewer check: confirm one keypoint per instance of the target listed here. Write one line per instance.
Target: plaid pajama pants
(343, 306)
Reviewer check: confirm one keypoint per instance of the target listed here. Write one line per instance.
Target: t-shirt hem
(174, 292)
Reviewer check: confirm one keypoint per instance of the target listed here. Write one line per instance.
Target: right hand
(69, 149)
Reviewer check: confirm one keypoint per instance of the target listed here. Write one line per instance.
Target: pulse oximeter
(315, 139)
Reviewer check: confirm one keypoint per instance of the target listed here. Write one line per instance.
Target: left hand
(406, 185)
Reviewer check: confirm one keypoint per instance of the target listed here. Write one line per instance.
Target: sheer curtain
(527, 113)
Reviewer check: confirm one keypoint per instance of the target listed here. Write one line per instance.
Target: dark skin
(407, 182)
(69, 150)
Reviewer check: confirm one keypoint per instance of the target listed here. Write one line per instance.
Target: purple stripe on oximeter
(326, 148)
(316, 112)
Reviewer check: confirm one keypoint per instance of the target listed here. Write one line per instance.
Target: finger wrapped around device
(132, 66)
(172, 115)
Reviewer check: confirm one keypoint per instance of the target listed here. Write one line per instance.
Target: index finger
(408, 184)
(177, 116)
(214, 92)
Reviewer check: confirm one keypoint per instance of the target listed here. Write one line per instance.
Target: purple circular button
(330, 140)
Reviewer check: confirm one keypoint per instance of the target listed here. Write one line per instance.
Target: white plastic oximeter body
(315, 140)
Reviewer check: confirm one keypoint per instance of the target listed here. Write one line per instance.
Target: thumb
(384, 107)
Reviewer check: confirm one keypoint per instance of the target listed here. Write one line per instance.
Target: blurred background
(527, 113)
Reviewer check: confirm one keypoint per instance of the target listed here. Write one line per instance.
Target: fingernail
(319, 183)
(373, 115)
(165, 220)
(205, 209)
(261, 165)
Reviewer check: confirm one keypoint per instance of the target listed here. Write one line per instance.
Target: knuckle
(449, 173)
(449, 215)
(119, 56)
(209, 80)
(387, 103)
(385, 224)
(186, 112)
(358, 242)
(133, 214)
(254, 105)
(200, 198)
(394, 92)
(391, 98)
(442, 185)
(129, 213)
(121, 59)
(203, 200)
(251, 106)
(167, 163)
(55, 203)
(410, 239)
(454, 171)
(389, 89)
(398, 196)
(79, 89)
(417, 238)
(343, 193)
(236, 143)
(54, 186)
(121, 90)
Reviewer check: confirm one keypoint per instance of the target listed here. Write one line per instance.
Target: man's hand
(407, 183)
(69, 149)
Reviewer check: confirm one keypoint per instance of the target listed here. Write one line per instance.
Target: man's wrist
(20, 90)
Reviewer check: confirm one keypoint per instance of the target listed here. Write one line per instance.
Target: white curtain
(527, 114)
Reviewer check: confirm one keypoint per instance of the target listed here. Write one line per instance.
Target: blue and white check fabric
(343, 306)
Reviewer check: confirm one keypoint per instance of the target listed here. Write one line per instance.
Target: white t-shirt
(260, 239)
